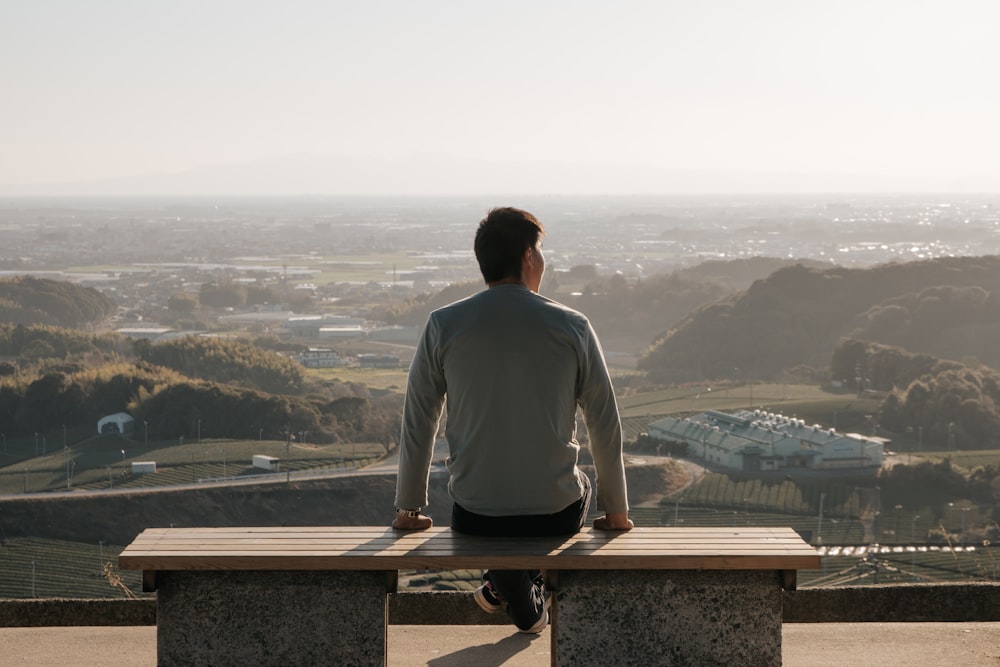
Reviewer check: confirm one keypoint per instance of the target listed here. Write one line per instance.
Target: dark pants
(525, 601)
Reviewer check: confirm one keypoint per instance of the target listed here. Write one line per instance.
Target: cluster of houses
(306, 327)
(327, 357)
(764, 441)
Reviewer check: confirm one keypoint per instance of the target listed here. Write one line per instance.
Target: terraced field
(35, 567)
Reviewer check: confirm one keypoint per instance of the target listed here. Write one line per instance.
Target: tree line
(947, 307)
(28, 300)
(935, 400)
(180, 388)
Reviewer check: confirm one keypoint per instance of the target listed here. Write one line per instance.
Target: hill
(797, 315)
(28, 300)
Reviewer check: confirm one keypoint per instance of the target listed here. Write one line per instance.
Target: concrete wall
(896, 603)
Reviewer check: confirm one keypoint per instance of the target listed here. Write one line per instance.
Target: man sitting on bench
(514, 366)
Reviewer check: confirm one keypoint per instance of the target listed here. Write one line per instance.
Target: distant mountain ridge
(430, 175)
(949, 307)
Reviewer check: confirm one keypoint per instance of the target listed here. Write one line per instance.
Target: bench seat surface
(377, 548)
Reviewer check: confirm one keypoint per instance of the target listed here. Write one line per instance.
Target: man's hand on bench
(418, 522)
(614, 521)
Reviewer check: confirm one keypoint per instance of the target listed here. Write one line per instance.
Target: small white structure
(143, 467)
(120, 422)
(265, 462)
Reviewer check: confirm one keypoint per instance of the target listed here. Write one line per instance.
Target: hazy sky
(901, 89)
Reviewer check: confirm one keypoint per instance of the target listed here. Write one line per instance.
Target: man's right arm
(422, 407)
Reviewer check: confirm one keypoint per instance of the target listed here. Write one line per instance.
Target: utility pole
(288, 448)
(819, 523)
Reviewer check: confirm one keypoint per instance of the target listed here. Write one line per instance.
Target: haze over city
(239, 98)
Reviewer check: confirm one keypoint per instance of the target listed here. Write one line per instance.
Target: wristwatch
(411, 514)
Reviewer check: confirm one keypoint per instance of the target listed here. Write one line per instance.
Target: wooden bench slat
(589, 562)
(380, 545)
(366, 552)
(469, 547)
(375, 548)
(635, 533)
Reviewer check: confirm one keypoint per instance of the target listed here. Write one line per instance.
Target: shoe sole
(542, 622)
(485, 604)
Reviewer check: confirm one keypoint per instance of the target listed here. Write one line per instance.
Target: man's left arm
(600, 412)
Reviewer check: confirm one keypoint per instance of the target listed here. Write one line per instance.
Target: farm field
(105, 462)
(36, 567)
(966, 458)
(373, 378)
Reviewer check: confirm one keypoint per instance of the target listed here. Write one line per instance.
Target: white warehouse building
(756, 440)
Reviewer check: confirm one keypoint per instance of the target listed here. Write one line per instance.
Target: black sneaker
(487, 598)
(543, 620)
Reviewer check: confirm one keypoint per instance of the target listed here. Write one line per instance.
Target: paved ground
(804, 645)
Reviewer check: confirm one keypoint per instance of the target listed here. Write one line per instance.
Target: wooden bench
(318, 595)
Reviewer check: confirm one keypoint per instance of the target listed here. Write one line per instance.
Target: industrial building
(764, 441)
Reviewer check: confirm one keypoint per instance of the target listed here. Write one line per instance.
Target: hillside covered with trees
(927, 398)
(180, 388)
(29, 300)
(796, 316)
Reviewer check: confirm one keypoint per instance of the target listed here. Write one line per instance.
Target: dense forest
(182, 387)
(226, 361)
(29, 300)
(949, 307)
(934, 399)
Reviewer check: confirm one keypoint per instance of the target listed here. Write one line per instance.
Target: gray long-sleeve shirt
(514, 366)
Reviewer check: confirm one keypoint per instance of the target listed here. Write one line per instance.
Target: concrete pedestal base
(244, 618)
(667, 617)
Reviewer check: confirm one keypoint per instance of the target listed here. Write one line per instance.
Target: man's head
(507, 245)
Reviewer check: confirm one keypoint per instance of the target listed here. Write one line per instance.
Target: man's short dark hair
(503, 236)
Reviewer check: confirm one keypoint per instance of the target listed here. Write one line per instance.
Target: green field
(105, 462)
(790, 399)
(967, 459)
(373, 378)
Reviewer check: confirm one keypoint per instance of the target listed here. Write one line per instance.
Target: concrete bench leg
(271, 618)
(667, 617)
